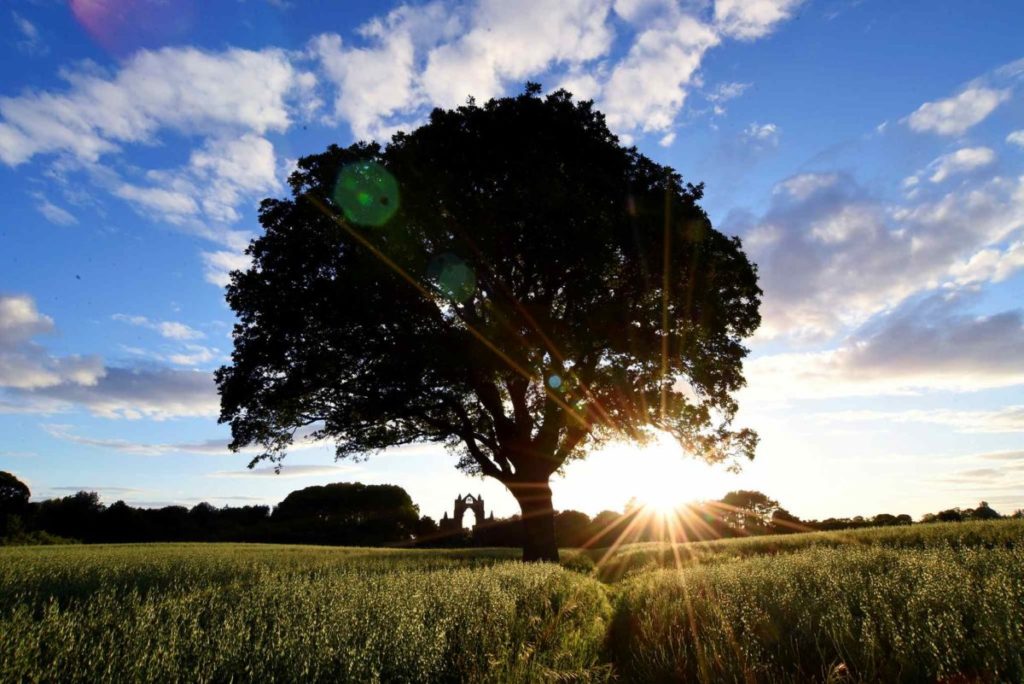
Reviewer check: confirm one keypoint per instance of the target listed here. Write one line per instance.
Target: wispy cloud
(954, 115)
(932, 344)
(288, 471)
(303, 439)
(24, 364)
(30, 42)
(101, 489)
(832, 254)
(1004, 420)
(172, 330)
(156, 393)
(765, 134)
(53, 213)
(200, 91)
(963, 160)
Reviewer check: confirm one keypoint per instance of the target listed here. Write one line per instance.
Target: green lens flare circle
(366, 193)
(453, 277)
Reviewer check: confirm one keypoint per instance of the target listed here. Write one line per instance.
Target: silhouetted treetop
(507, 280)
(14, 494)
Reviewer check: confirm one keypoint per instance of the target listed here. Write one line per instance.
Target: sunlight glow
(662, 477)
(659, 476)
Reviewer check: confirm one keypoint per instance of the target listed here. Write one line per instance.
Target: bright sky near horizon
(870, 154)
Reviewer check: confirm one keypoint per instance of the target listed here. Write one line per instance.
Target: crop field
(924, 603)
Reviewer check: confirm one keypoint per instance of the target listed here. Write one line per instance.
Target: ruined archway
(462, 504)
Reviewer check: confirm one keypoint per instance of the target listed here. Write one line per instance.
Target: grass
(637, 558)
(864, 614)
(248, 613)
(925, 603)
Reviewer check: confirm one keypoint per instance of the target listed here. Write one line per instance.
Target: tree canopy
(14, 494)
(347, 513)
(507, 280)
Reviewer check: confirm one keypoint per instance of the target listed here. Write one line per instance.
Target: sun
(658, 476)
(663, 479)
(663, 495)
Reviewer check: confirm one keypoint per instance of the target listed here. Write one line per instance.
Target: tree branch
(517, 387)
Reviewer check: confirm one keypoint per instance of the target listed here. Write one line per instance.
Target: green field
(923, 603)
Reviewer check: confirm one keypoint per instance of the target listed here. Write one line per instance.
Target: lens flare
(366, 193)
(554, 382)
(123, 26)
(453, 277)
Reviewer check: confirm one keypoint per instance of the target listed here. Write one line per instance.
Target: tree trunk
(538, 520)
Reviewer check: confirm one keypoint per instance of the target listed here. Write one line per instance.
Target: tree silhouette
(14, 494)
(984, 512)
(749, 510)
(347, 513)
(506, 280)
(784, 522)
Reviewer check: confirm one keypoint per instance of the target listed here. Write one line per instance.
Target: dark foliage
(14, 494)
(336, 514)
(346, 513)
(507, 280)
(379, 515)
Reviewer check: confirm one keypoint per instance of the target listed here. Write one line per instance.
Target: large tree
(507, 280)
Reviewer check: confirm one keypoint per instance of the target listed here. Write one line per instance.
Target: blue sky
(870, 155)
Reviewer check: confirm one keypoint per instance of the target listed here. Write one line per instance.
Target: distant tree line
(738, 514)
(351, 514)
(355, 514)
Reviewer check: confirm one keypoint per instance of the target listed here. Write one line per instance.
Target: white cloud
(218, 177)
(131, 393)
(435, 55)
(831, 255)
(1016, 138)
(644, 12)
(25, 365)
(989, 265)
(172, 330)
(37, 382)
(219, 265)
(583, 83)
(172, 205)
(226, 170)
(647, 88)
(1003, 455)
(373, 83)
(179, 88)
(930, 345)
(31, 43)
(401, 64)
(288, 470)
(956, 114)
(724, 92)
(416, 57)
(504, 42)
(1003, 420)
(100, 489)
(804, 185)
(211, 447)
(54, 214)
(749, 19)
(195, 355)
(178, 331)
(964, 159)
(766, 134)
